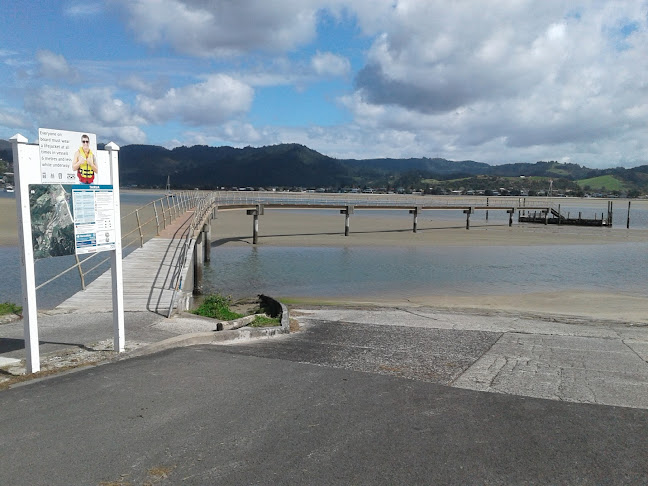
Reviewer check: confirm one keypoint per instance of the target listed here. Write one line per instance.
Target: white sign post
(52, 162)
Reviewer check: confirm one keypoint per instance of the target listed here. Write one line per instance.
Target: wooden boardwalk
(149, 274)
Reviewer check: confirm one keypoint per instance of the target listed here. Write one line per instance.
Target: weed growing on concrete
(9, 308)
(217, 307)
(262, 321)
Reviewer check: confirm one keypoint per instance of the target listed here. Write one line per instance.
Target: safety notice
(94, 218)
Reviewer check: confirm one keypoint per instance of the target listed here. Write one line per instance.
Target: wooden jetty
(552, 216)
(150, 274)
(166, 270)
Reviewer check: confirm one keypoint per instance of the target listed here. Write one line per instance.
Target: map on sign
(94, 218)
(70, 158)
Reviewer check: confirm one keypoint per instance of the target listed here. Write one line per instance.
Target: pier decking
(149, 275)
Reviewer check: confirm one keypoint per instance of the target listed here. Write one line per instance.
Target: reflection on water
(361, 272)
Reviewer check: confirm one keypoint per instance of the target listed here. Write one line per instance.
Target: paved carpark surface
(340, 402)
(569, 360)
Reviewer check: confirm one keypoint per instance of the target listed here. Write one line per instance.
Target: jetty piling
(415, 212)
(198, 264)
(255, 213)
(468, 212)
(628, 221)
(207, 237)
(347, 212)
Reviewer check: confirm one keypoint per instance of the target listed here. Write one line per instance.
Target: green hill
(294, 165)
(602, 183)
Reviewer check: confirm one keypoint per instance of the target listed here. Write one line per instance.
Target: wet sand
(374, 229)
(289, 228)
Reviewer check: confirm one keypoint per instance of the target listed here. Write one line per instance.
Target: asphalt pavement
(358, 398)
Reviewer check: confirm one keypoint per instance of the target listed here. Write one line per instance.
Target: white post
(23, 162)
(116, 255)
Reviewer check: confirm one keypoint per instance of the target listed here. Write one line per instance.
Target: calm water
(361, 272)
(53, 294)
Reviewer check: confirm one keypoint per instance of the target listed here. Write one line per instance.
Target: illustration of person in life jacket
(84, 162)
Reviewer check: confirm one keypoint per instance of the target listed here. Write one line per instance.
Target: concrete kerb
(242, 333)
(77, 362)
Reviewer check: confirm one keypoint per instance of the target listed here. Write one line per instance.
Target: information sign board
(66, 159)
(94, 218)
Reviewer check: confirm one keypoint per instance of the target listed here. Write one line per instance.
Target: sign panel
(70, 158)
(94, 218)
(52, 223)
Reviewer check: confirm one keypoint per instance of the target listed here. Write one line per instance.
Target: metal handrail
(182, 199)
(251, 198)
(203, 206)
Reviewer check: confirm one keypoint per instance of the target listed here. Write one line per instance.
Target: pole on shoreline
(628, 221)
(415, 212)
(347, 223)
(487, 209)
(468, 212)
(255, 222)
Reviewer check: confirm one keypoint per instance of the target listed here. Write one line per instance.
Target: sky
(496, 81)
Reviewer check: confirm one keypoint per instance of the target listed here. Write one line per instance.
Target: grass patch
(263, 321)
(217, 307)
(9, 308)
(609, 182)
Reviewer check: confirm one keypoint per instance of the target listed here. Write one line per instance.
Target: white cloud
(54, 66)
(217, 99)
(516, 80)
(329, 64)
(13, 118)
(94, 110)
(221, 27)
(83, 9)
(142, 86)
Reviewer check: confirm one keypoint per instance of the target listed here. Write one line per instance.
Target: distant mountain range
(294, 165)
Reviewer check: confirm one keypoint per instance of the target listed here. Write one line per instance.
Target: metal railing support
(139, 226)
(81, 275)
(157, 220)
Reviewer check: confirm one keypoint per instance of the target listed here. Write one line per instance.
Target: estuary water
(356, 272)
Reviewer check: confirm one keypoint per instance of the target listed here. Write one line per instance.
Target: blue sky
(498, 82)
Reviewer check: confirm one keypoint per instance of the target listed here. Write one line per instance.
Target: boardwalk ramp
(150, 274)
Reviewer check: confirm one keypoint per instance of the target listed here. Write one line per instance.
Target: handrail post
(83, 287)
(157, 220)
(164, 212)
(139, 226)
(169, 206)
